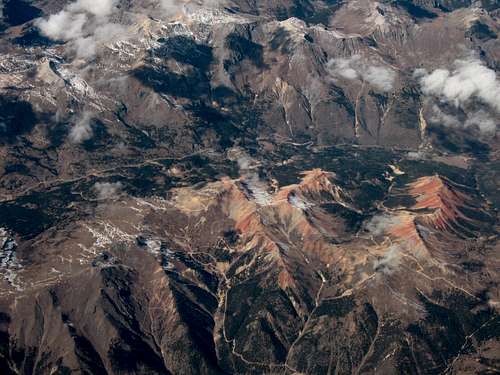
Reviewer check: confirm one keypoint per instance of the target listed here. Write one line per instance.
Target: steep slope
(249, 187)
(279, 282)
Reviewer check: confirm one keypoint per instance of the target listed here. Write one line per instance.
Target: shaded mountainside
(246, 275)
(249, 187)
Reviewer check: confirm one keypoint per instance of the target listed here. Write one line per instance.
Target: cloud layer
(355, 68)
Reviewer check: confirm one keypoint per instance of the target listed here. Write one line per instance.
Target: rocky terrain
(249, 187)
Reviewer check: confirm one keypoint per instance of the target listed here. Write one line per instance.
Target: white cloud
(379, 224)
(416, 155)
(171, 7)
(380, 77)
(84, 24)
(108, 31)
(99, 8)
(244, 163)
(107, 190)
(439, 117)
(256, 187)
(480, 120)
(483, 121)
(185, 7)
(63, 25)
(469, 79)
(85, 47)
(82, 129)
(343, 67)
(389, 262)
(356, 68)
(419, 73)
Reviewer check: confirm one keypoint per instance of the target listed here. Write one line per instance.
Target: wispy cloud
(255, 185)
(389, 262)
(172, 7)
(480, 120)
(416, 155)
(379, 224)
(357, 68)
(82, 129)
(483, 121)
(258, 188)
(107, 190)
(438, 116)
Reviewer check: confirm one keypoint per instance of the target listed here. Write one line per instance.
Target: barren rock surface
(249, 187)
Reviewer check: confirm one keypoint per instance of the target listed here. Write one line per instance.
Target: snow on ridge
(9, 264)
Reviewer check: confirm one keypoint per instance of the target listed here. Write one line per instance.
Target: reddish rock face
(445, 199)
